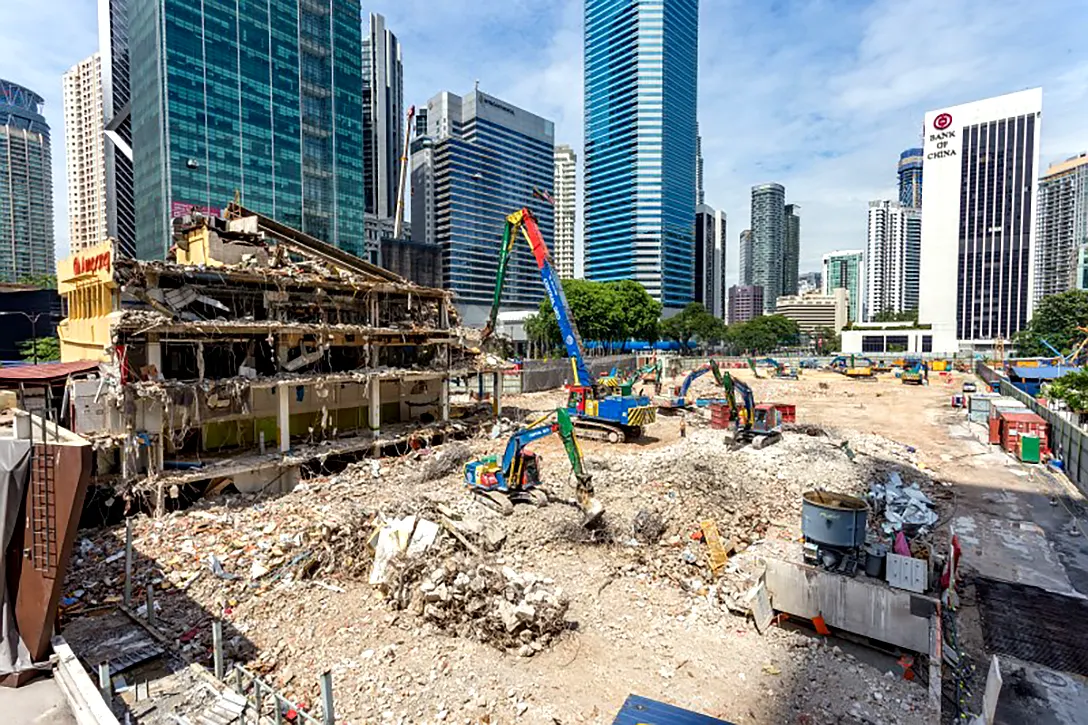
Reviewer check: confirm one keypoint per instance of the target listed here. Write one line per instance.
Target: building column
(444, 398)
(283, 419)
(376, 405)
(154, 352)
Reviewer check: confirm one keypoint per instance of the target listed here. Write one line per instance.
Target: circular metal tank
(833, 519)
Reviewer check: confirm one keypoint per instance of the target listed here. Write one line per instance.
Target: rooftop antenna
(477, 85)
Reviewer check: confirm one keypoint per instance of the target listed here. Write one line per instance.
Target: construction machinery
(912, 374)
(679, 398)
(781, 371)
(515, 477)
(759, 425)
(600, 412)
(853, 367)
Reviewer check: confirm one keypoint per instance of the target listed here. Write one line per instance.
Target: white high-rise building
(563, 192)
(892, 258)
(978, 230)
(85, 152)
(1061, 250)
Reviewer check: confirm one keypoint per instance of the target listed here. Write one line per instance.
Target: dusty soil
(641, 619)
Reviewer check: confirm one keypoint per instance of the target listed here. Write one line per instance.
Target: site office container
(997, 407)
(1015, 424)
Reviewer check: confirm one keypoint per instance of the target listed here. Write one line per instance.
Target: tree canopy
(48, 349)
(1056, 320)
(1072, 388)
(601, 311)
(763, 334)
(694, 321)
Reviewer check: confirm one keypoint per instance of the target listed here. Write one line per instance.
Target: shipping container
(1016, 424)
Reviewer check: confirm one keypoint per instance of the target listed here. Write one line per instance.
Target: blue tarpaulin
(638, 710)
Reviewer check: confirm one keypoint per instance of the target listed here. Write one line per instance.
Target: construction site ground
(288, 574)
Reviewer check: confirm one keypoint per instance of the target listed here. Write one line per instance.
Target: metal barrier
(1068, 441)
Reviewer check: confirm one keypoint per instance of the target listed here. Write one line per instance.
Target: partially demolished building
(252, 351)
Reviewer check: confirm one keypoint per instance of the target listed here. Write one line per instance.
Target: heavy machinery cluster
(603, 408)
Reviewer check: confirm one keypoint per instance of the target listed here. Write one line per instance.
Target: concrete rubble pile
(477, 599)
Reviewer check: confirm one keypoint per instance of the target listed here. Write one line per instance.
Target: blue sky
(820, 95)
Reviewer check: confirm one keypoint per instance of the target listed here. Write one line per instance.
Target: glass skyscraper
(768, 241)
(641, 85)
(259, 98)
(480, 160)
(910, 178)
(26, 186)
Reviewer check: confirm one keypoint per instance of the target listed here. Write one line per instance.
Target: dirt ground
(642, 619)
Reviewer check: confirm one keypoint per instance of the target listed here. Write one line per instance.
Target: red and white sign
(89, 264)
(942, 121)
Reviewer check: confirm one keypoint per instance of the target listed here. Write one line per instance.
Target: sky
(818, 95)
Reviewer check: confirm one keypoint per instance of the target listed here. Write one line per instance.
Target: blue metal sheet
(638, 710)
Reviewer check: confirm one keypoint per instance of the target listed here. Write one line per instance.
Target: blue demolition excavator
(515, 477)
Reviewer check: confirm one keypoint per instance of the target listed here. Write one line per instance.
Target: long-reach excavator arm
(524, 223)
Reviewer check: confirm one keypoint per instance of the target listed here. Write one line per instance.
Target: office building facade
(745, 257)
(1062, 238)
(768, 240)
(815, 312)
(26, 186)
(710, 257)
(262, 101)
(563, 192)
(978, 229)
(113, 41)
(892, 259)
(383, 118)
(845, 269)
(700, 191)
(484, 156)
(791, 257)
(910, 178)
(640, 171)
(84, 147)
(745, 303)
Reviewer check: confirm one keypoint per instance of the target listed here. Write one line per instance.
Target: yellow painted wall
(85, 281)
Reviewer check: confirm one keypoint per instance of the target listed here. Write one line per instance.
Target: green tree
(43, 349)
(694, 321)
(892, 316)
(1072, 388)
(604, 311)
(43, 281)
(827, 341)
(763, 334)
(1056, 320)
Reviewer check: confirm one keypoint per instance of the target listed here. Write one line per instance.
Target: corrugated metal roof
(45, 372)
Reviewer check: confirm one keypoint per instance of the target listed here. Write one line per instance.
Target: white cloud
(819, 95)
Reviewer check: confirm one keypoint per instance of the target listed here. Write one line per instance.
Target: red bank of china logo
(942, 121)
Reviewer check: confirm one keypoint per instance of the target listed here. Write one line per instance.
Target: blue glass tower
(262, 98)
(479, 161)
(910, 178)
(641, 86)
(26, 185)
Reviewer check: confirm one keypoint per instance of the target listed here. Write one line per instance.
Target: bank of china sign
(942, 136)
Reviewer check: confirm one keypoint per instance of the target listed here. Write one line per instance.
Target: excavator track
(496, 501)
(594, 430)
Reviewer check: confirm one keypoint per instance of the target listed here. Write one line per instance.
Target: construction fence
(1068, 441)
